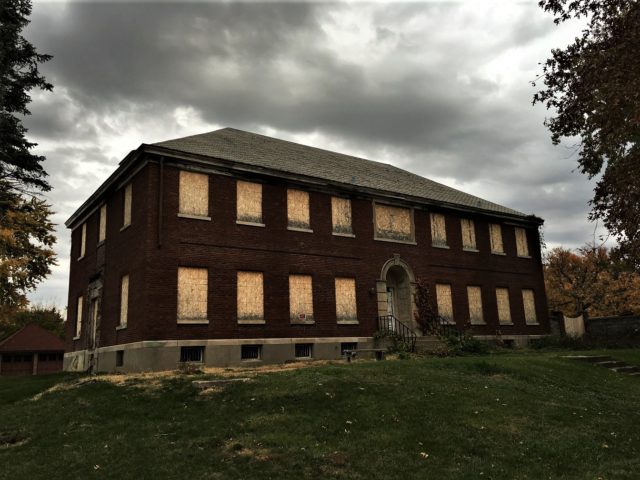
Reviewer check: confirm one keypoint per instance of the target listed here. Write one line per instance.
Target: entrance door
(391, 307)
(93, 329)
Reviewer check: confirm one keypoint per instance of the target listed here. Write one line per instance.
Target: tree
(594, 87)
(48, 318)
(590, 282)
(25, 230)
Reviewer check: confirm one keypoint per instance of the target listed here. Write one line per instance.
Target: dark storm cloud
(439, 88)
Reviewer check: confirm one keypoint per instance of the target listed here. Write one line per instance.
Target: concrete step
(589, 358)
(612, 364)
(626, 369)
(634, 374)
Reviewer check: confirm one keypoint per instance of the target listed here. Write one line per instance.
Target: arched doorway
(396, 292)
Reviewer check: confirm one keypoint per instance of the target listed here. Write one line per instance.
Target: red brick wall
(225, 247)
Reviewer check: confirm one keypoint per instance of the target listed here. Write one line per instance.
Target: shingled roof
(281, 155)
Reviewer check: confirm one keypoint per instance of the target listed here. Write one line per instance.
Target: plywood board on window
(393, 223)
(128, 200)
(192, 294)
(300, 298)
(249, 201)
(298, 209)
(79, 316)
(194, 194)
(468, 233)
(528, 299)
(102, 234)
(495, 231)
(522, 245)
(250, 296)
(341, 215)
(124, 300)
(438, 230)
(504, 307)
(444, 301)
(83, 240)
(476, 315)
(346, 309)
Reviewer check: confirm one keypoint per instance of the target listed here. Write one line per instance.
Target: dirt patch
(258, 453)
(12, 439)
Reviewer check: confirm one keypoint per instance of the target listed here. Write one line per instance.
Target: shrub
(465, 343)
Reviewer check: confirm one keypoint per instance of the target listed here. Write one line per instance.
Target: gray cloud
(439, 88)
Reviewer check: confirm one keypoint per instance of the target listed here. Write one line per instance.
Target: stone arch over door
(397, 286)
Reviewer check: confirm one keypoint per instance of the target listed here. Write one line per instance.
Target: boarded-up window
(468, 234)
(298, 209)
(445, 303)
(124, 300)
(249, 202)
(528, 299)
(79, 316)
(341, 215)
(346, 299)
(192, 294)
(102, 233)
(522, 247)
(128, 198)
(504, 308)
(83, 240)
(194, 194)
(250, 293)
(474, 295)
(393, 223)
(438, 230)
(495, 231)
(300, 298)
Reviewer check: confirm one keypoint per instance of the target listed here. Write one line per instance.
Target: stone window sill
(298, 229)
(435, 245)
(468, 249)
(194, 217)
(478, 323)
(193, 322)
(499, 253)
(406, 242)
(502, 324)
(80, 257)
(250, 224)
(101, 242)
(532, 324)
(121, 327)
(338, 234)
(303, 322)
(251, 322)
(348, 322)
(124, 227)
(77, 337)
(524, 256)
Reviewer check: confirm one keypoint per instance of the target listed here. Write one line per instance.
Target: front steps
(429, 344)
(609, 362)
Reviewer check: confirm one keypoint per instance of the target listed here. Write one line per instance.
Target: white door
(391, 306)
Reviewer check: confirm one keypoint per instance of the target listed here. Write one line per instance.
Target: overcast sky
(439, 88)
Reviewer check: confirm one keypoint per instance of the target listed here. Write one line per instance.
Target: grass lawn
(507, 416)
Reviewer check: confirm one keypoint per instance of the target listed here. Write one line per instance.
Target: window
(192, 295)
(83, 241)
(393, 223)
(445, 305)
(438, 230)
(474, 295)
(341, 216)
(468, 234)
(522, 246)
(79, 316)
(250, 352)
(348, 346)
(495, 234)
(194, 194)
(304, 350)
(346, 300)
(504, 308)
(528, 299)
(298, 210)
(249, 202)
(119, 358)
(300, 299)
(250, 297)
(102, 232)
(128, 193)
(124, 300)
(192, 354)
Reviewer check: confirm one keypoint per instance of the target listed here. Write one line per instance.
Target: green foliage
(592, 86)
(426, 316)
(48, 318)
(25, 228)
(395, 343)
(629, 339)
(465, 344)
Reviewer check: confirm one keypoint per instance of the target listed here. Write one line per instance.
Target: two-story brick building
(230, 246)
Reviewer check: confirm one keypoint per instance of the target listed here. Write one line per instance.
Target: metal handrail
(389, 324)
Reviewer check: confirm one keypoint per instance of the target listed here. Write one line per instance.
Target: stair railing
(390, 325)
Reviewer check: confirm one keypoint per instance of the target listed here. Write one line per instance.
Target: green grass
(509, 416)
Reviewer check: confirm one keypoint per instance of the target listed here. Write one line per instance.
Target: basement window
(250, 352)
(348, 346)
(119, 358)
(191, 354)
(304, 350)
